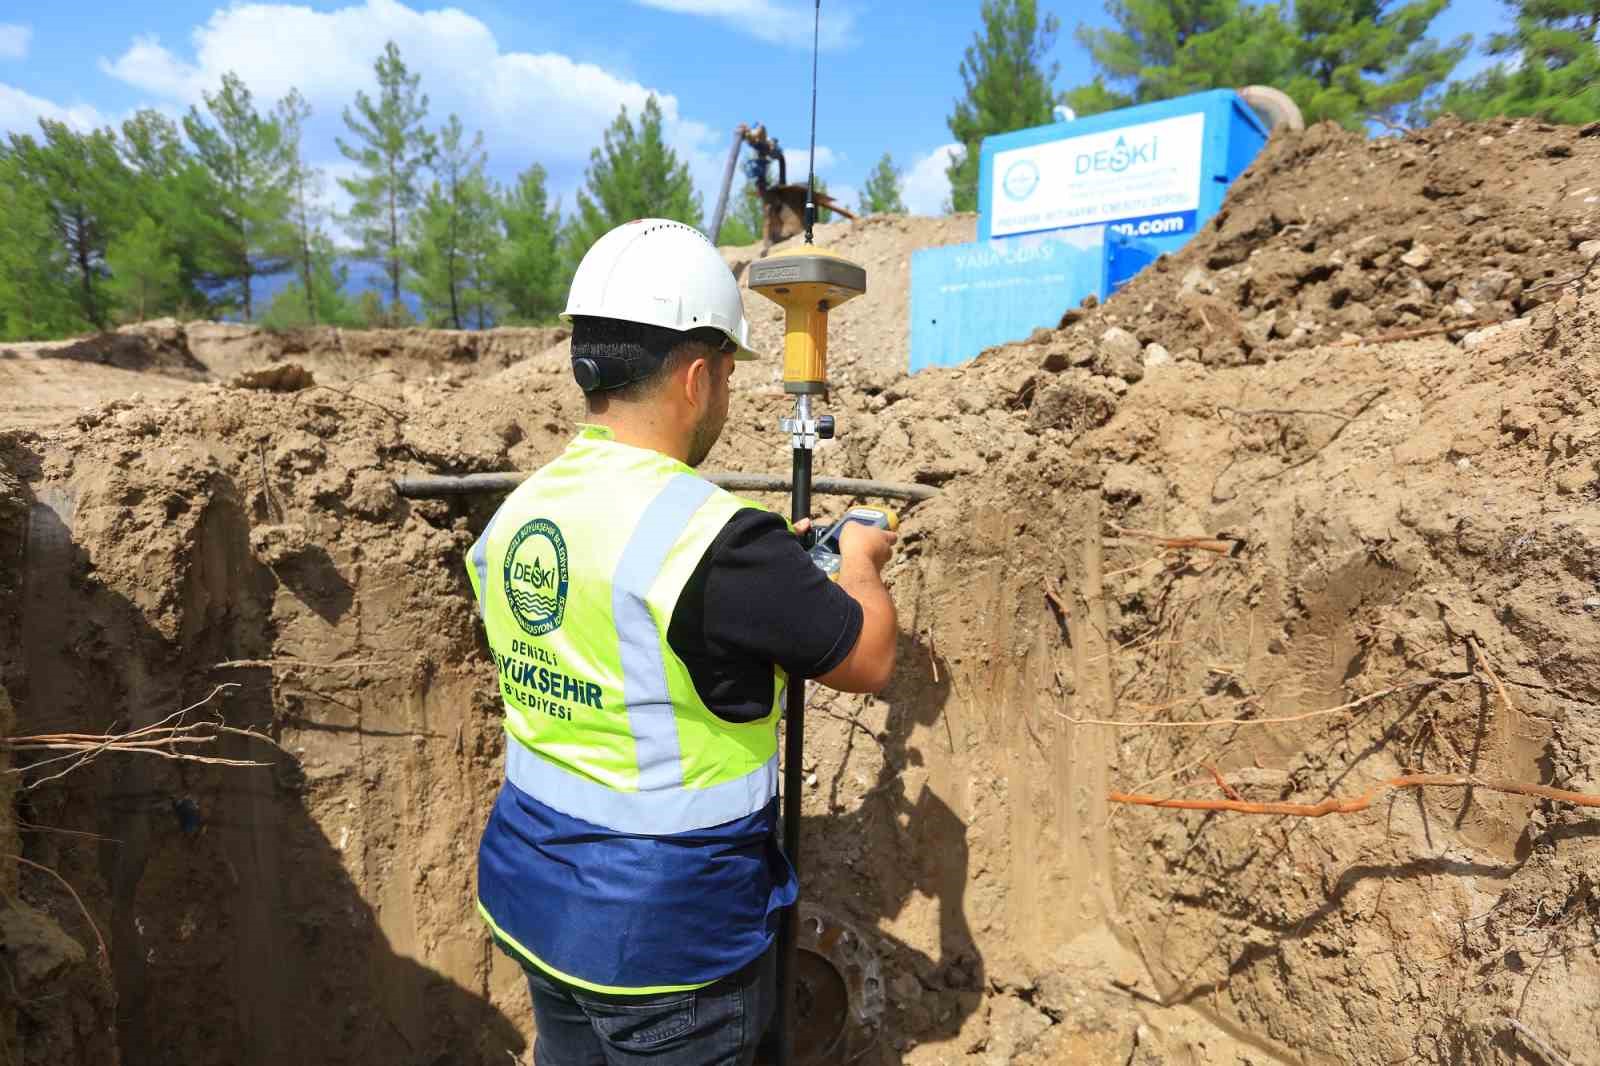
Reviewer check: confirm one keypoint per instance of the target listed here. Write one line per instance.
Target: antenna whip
(811, 162)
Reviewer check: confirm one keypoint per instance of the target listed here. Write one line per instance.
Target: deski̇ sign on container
(1142, 180)
(1075, 209)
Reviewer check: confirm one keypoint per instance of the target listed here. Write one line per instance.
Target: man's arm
(863, 552)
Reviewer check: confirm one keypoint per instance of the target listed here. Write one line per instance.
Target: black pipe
(429, 486)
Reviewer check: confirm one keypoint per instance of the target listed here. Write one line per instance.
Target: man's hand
(863, 552)
(857, 539)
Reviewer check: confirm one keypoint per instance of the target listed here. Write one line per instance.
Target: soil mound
(159, 347)
(1330, 235)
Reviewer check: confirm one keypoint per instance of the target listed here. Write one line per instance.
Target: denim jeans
(719, 1025)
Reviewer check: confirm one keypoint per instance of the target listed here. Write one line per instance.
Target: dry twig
(1582, 276)
(1533, 1038)
(1334, 805)
(1505, 697)
(1218, 545)
(1227, 789)
(250, 664)
(349, 394)
(1426, 331)
(1209, 723)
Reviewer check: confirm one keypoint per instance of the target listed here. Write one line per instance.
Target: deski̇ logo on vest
(536, 577)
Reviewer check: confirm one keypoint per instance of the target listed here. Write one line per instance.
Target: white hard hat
(660, 273)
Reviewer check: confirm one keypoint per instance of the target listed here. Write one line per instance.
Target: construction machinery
(783, 204)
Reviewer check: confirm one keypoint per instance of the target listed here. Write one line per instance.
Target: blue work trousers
(719, 1025)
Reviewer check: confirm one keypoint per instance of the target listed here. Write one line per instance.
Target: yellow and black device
(807, 282)
(825, 553)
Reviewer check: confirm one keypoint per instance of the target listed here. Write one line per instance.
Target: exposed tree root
(1335, 805)
(1533, 1038)
(163, 739)
(105, 955)
(1426, 331)
(1221, 546)
(1209, 723)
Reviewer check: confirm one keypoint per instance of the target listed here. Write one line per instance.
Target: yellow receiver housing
(807, 282)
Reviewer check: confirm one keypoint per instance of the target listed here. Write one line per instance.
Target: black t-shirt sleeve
(756, 599)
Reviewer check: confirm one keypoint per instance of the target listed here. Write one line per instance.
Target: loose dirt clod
(1375, 561)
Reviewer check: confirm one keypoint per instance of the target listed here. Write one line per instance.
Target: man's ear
(697, 383)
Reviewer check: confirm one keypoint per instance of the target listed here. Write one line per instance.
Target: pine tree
(246, 223)
(746, 219)
(1344, 60)
(1159, 49)
(370, 310)
(1555, 68)
(1360, 59)
(391, 146)
(170, 185)
(529, 276)
(881, 194)
(304, 184)
(84, 186)
(319, 301)
(481, 239)
(36, 290)
(1008, 86)
(633, 174)
(453, 212)
(144, 270)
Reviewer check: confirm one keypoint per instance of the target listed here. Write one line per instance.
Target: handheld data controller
(825, 553)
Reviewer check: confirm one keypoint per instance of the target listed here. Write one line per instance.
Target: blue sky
(543, 79)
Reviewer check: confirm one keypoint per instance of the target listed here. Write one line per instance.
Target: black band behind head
(609, 353)
(589, 376)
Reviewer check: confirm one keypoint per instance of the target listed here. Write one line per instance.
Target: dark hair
(630, 360)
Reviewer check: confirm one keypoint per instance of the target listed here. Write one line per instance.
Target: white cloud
(14, 40)
(532, 106)
(846, 195)
(771, 20)
(924, 187)
(20, 112)
(797, 160)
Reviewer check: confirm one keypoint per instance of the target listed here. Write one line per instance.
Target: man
(643, 624)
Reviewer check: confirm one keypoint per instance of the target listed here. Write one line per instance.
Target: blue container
(968, 297)
(1076, 209)
(1156, 172)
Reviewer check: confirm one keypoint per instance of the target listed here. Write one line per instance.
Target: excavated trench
(1411, 517)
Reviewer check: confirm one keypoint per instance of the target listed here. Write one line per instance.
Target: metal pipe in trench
(431, 486)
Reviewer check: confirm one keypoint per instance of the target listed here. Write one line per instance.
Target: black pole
(794, 742)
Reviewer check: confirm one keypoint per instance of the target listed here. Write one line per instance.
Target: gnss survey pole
(807, 283)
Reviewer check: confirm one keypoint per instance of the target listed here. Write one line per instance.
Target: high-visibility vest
(630, 849)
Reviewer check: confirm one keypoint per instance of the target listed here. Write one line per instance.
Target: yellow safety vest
(613, 760)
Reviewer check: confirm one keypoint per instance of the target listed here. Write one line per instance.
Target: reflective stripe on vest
(479, 568)
(644, 672)
(658, 813)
